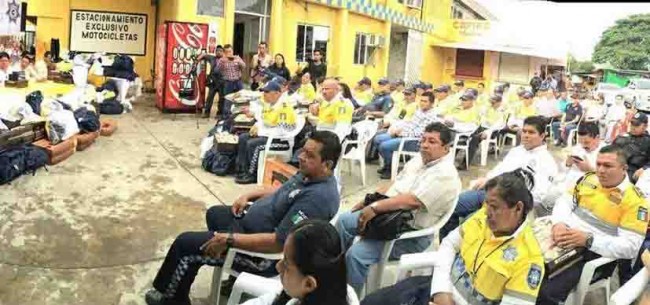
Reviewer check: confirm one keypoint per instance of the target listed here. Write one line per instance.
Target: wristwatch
(230, 241)
(590, 240)
(373, 207)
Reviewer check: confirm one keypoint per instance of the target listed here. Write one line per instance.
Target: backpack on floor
(87, 120)
(19, 160)
(111, 106)
(34, 100)
(219, 163)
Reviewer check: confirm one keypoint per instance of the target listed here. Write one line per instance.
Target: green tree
(626, 45)
(580, 66)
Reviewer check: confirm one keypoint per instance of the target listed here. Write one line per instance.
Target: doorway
(251, 27)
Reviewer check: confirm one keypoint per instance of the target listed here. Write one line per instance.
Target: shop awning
(522, 50)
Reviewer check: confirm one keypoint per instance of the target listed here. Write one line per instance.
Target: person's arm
(562, 209)
(450, 246)
(501, 166)
(241, 63)
(260, 242)
(544, 174)
(407, 201)
(259, 193)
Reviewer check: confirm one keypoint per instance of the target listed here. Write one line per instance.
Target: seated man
(411, 191)
(614, 114)
(464, 118)
(580, 161)
(445, 102)
(388, 143)
(397, 91)
(333, 112)
(363, 92)
(26, 65)
(569, 120)
(492, 120)
(637, 144)
(493, 258)
(546, 104)
(274, 119)
(519, 111)
(403, 110)
(603, 213)
(531, 154)
(258, 221)
(381, 103)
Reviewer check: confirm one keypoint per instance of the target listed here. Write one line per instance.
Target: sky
(579, 25)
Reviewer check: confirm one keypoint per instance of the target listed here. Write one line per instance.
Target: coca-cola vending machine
(178, 89)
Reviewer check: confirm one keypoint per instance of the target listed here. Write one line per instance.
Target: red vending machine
(176, 87)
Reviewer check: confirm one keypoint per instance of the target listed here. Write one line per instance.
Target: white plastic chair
(629, 292)
(366, 131)
(399, 154)
(226, 269)
(284, 154)
(509, 136)
(377, 271)
(461, 142)
(577, 295)
(80, 76)
(485, 147)
(573, 135)
(428, 261)
(257, 286)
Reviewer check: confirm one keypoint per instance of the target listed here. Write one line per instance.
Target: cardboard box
(276, 172)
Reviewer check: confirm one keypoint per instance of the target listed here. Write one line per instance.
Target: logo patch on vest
(509, 254)
(642, 214)
(298, 217)
(293, 194)
(615, 197)
(534, 276)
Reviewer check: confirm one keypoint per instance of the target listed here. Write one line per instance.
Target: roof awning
(522, 50)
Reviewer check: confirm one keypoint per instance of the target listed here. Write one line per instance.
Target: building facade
(406, 39)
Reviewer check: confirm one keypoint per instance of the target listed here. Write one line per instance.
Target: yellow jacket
(486, 269)
(334, 112)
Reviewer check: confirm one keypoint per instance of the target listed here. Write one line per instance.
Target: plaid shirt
(231, 70)
(415, 127)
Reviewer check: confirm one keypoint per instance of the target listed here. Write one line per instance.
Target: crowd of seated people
(488, 253)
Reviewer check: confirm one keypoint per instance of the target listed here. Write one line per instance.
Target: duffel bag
(111, 106)
(12, 164)
(87, 120)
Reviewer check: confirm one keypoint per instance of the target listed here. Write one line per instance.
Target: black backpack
(19, 160)
(111, 106)
(87, 120)
(219, 163)
(123, 63)
(34, 100)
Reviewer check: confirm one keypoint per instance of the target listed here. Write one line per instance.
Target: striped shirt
(231, 69)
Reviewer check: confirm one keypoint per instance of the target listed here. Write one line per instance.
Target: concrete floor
(95, 228)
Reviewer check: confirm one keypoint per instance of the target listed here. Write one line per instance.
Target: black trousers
(213, 89)
(474, 142)
(556, 290)
(184, 258)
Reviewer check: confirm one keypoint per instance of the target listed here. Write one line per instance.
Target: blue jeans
(468, 203)
(557, 135)
(388, 147)
(381, 137)
(366, 252)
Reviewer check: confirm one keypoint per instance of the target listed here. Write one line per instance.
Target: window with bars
(311, 38)
(361, 49)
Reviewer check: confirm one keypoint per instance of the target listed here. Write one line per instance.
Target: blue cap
(442, 88)
(427, 86)
(365, 81)
(527, 95)
(398, 82)
(280, 80)
(409, 90)
(469, 95)
(272, 86)
(640, 117)
(383, 81)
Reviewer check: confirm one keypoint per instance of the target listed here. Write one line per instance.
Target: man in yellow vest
(363, 92)
(444, 102)
(397, 93)
(604, 214)
(275, 119)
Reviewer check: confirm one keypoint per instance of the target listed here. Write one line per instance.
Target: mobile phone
(577, 158)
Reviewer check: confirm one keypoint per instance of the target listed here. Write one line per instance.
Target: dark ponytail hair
(318, 253)
(515, 186)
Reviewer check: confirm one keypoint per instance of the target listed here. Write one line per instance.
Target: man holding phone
(258, 221)
(231, 68)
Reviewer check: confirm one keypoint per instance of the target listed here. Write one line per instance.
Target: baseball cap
(365, 81)
(383, 81)
(640, 118)
(272, 86)
(280, 80)
(409, 90)
(442, 88)
(459, 83)
(527, 95)
(496, 98)
(427, 86)
(473, 91)
(499, 90)
(468, 96)
(398, 82)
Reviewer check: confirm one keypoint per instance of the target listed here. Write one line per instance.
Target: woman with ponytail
(492, 258)
(313, 268)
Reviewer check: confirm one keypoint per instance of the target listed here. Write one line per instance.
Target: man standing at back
(231, 68)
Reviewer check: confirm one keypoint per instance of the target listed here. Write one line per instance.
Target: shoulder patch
(534, 277)
(642, 214)
(293, 194)
(298, 217)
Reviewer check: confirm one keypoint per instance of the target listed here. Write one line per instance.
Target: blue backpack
(218, 162)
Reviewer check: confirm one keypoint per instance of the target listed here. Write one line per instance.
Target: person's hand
(572, 238)
(357, 206)
(216, 246)
(395, 132)
(313, 108)
(239, 205)
(442, 298)
(638, 173)
(367, 214)
(385, 124)
(200, 56)
(583, 165)
(479, 184)
(253, 131)
(557, 230)
(569, 161)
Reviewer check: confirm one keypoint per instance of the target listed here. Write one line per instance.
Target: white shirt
(539, 159)
(615, 113)
(547, 108)
(418, 179)
(574, 173)
(624, 245)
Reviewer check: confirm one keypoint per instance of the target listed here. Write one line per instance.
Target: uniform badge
(534, 276)
(510, 254)
(298, 217)
(615, 197)
(293, 194)
(642, 214)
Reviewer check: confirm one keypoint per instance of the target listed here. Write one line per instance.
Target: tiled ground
(94, 229)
